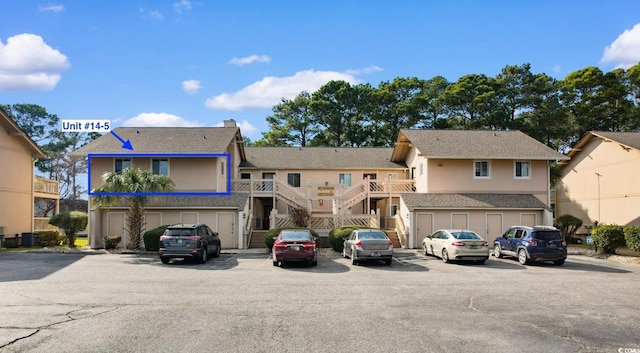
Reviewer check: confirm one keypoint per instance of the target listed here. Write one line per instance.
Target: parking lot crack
(583, 346)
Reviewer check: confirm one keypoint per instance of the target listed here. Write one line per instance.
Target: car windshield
(465, 235)
(547, 235)
(372, 235)
(293, 236)
(177, 232)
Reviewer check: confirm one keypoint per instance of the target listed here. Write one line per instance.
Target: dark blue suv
(531, 244)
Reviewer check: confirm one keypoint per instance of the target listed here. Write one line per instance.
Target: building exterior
(480, 180)
(19, 189)
(484, 181)
(601, 181)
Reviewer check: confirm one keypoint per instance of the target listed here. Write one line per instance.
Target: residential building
(20, 190)
(601, 181)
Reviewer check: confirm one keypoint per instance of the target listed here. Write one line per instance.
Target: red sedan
(294, 245)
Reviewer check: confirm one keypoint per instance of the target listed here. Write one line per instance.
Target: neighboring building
(480, 180)
(485, 181)
(200, 161)
(19, 189)
(601, 182)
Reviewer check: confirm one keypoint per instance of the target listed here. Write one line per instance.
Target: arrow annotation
(125, 144)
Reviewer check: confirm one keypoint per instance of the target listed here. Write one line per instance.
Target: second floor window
(481, 169)
(522, 169)
(160, 166)
(344, 178)
(293, 179)
(121, 164)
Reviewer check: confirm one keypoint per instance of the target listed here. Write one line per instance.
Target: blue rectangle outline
(167, 193)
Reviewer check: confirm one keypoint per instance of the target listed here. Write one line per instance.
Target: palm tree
(132, 186)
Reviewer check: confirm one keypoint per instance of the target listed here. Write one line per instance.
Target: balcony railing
(41, 224)
(46, 186)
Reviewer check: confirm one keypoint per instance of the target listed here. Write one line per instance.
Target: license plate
(552, 245)
(295, 248)
(177, 241)
(375, 253)
(473, 246)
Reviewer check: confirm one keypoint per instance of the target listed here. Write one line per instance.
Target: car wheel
(165, 260)
(445, 256)
(558, 262)
(275, 260)
(314, 263)
(424, 249)
(387, 262)
(496, 251)
(522, 257)
(204, 256)
(217, 254)
(354, 261)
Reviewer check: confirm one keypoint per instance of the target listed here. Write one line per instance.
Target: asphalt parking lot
(240, 302)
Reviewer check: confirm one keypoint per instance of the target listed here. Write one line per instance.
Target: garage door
(494, 226)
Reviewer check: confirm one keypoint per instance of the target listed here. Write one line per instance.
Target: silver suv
(194, 241)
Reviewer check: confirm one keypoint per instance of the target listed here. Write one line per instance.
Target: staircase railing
(401, 230)
(292, 196)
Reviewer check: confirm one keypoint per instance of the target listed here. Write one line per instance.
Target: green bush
(568, 226)
(608, 237)
(49, 238)
(271, 235)
(336, 236)
(152, 238)
(111, 241)
(72, 222)
(632, 237)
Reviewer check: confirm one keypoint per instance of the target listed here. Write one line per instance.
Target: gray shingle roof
(319, 158)
(236, 200)
(630, 139)
(470, 144)
(472, 200)
(163, 140)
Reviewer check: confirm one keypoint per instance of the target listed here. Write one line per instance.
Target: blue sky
(199, 62)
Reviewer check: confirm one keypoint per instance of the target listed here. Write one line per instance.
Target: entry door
(116, 226)
(494, 226)
(226, 230)
(424, 227)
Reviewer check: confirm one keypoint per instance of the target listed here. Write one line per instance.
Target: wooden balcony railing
(46, 187)
(41, 224)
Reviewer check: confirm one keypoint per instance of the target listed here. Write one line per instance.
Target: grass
(80, 242)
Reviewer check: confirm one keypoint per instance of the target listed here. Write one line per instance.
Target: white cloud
(246, 128)
(159, 120)
(182, 5)
(270, 90)
(250, 60)
(27, 63)
(52, 8)
(153, 14)
(367, 70)
(624, 52)
(191, 86)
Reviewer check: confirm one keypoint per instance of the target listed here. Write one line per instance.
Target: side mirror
(428, 236)
(345, 238)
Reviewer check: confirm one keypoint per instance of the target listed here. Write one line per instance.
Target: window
(221, 168)
(122, 164)
(392, 176)
(421, 169)
(481, 169)
(393, 210)
(522, 169)
(245, 175)
(160, 166)
(294, 179)
(344, 178)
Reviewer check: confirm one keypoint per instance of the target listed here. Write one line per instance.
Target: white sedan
(456, 244)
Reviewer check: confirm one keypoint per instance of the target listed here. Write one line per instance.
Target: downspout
(33, 168)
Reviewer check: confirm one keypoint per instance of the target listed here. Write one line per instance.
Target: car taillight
(390, 244)
(457, 243)
(280, 245)
(196, 238)
(564, 243)
(309, 245)
(532, 243)
(164, 237)
(485, 244)
(359, 244)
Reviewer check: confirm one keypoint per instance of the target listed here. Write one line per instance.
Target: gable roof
(473, 144)
(320, 158)
(164, 140)
(15, 131)
(626, 139)
(471, 200)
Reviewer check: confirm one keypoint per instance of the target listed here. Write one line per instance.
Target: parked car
(530, 244)
(191, 241)
(368, 244)
(294, 245)
(456, 244)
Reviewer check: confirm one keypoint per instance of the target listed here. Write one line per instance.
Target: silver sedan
(368, 244)
(456, 244)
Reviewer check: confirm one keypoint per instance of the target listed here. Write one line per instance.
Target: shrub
(568, 226)
(300, 217)
(271, 235)
(111, 241)
(152, 238)
(632, 237)
(72, 222)
(608, 237)
(336, 236)
(49, 238)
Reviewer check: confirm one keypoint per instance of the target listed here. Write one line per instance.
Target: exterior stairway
(257, 240)
(393, 236)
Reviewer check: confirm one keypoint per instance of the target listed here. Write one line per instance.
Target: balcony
(46, 188)
(41, 224)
